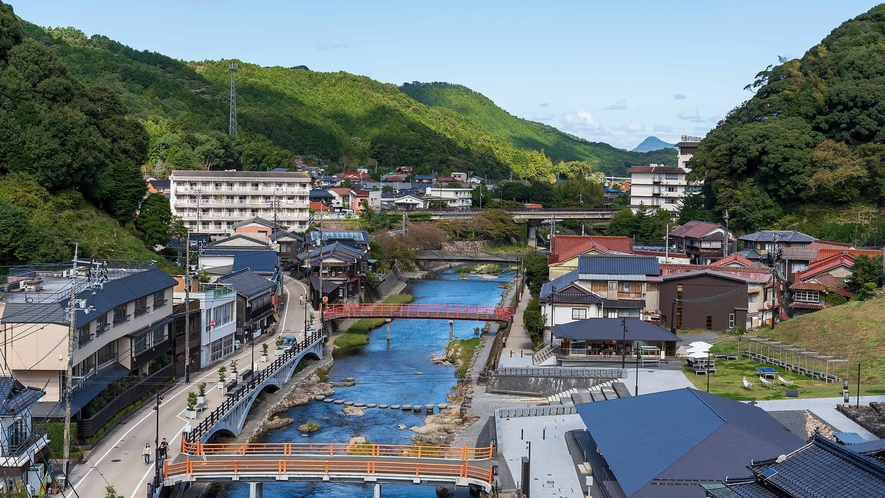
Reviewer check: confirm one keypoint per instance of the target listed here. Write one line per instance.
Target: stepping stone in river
(348, 403)
(339, 401)
(394, 407)
(407, 408)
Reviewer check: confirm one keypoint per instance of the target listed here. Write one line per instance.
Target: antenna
(233, 100)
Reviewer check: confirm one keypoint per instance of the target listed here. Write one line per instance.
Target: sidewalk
(117, 460)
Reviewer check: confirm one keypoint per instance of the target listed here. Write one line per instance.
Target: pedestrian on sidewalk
(147, 454)
(162, 452)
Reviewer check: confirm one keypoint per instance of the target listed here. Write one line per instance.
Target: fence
(592, 373)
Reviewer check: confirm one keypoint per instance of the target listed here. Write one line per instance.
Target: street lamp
(252, 364)
(624, 344)
(157, 440)
(638, 357)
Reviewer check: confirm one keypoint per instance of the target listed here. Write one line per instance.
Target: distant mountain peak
(651, 144)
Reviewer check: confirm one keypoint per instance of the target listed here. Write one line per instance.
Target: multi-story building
(702, 241)
(215, 307)
(657, 187)
(454, 198)
(687, 147)
(214, 201)
(120, 327)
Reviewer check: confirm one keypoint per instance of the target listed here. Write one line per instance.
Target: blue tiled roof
(247, 283)
(257, 261)
(348, 237)
(642, 437)
(558, 283)
(15, 397)
(782, 236)
(849, 437)
(123, 290)
(616, 264)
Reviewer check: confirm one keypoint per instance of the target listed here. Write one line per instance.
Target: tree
(110, 492)
(693, 208)
(536, 271)
(11, 31)
(481, 196)
(13, 229)
(155, 219)
(866, 270)
(623, 223)
(515, 191)
(755, 209)
(495, 224)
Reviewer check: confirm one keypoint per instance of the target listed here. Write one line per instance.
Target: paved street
(117, 460)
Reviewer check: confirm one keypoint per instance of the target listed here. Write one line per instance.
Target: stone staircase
(604, 391)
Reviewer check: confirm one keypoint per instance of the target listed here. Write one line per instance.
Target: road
(117, 459)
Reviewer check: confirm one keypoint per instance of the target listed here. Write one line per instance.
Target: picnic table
(767, 372)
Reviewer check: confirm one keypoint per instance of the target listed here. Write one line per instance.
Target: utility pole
(727, 235)
(70, 364)
(187, 311)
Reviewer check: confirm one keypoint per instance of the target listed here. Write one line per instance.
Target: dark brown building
(710, 300)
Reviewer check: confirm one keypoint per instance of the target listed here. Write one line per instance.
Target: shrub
(191, 401)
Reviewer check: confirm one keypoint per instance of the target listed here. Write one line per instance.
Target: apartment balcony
(18, 453)
(267, 190)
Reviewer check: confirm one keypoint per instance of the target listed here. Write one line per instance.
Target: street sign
(212, 323)
(325, 299)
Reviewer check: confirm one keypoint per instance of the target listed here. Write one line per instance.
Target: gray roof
(352, 237)
(713, 273)
(257, 261)
(799, 253)
(750, 254)
(782, 236)
(821, 468)
(639, 439)
(607, 329)
(19, 312)
(123, 290)
(558, 283)
(15, 397)
(617, 264)
(247, 283)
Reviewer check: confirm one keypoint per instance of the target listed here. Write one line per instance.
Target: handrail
(504, 313)
(336, 449)
(326, 467)
(219, 412)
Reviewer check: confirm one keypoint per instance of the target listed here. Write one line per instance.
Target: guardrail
(218, 413)
(326, 467)
(449, 311)
(593, 373)
(336, 449)
(536, 411)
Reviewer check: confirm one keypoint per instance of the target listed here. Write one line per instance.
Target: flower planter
(221, 384)
(233, 376)
(201, 400)
(264, 357)
(190, 413)
(279, 352)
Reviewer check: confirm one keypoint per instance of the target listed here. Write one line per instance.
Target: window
(120, 316)
(216, 351)
(651, 286)
(799, 267)
(159, 299)
(101, 324)
(671, 176)
(159, 335)
(140, 344)
(679, 291)
(709, 322)
(671, 189)
(597, 286)
(731, 320)
(108, 353)
(613, 286)
(141, 306)
(579, 313)
(83, 335)
(806, 296)
(223, 314)
(754, 297)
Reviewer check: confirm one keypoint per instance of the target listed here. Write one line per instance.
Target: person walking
(162, 451)
(147, 454)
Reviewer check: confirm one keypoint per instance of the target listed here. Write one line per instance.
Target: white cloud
(580, 120)
(617, 106)
(660, 128)
(679, 96)
(690, 114)
(635, 126)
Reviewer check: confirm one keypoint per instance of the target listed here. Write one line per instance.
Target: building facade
(687, 147)
(453, 198)
(657, 187)
(214, 201)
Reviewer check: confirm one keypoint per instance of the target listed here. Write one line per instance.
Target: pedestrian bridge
(257, 470)
(230, 415)
(440, 311)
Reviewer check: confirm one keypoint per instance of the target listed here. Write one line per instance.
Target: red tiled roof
(823, 265)
(812, 286)
(576, 251)
(319, 206)
(342, 191)
(734, 258)
(361, 193)
(755, 273)
(694, 229)
(826, 253)
(353, 175)
(832, 282)
(824, 244)
(562, 243)
(447, 179)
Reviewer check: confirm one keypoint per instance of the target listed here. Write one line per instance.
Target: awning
(84, 394)
(612, 329)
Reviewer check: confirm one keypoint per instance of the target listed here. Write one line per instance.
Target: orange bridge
(441, 311)
(335, 449)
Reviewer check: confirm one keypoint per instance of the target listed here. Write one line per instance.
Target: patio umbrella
(700, 346)
(698, 354)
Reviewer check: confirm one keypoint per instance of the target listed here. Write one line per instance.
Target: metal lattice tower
(233, 101)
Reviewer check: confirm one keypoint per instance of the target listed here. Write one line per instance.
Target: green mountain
(812, 137)
(525, 134)
(651, 144)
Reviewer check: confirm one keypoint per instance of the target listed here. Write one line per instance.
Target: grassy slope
(519, 132)
(855, 330)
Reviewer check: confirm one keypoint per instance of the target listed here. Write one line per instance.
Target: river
(394, 373)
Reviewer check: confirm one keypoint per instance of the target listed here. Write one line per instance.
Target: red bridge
(441, 311)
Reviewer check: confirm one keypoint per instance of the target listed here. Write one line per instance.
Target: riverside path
(117, 459)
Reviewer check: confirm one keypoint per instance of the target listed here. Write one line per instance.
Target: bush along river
(393, 373)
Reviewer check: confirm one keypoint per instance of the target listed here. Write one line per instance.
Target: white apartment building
(657, 187)
(455, 198)
(212, 202)
(218, 310)
(687, 147)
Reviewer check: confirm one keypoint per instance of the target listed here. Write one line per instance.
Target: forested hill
(336, 117)
(522, 133)
(813, 132)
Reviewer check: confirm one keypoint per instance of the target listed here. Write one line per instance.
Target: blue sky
(611, 71)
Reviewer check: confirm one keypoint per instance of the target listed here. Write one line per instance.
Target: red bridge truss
(441, 311)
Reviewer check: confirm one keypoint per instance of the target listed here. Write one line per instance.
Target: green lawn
(728, 379)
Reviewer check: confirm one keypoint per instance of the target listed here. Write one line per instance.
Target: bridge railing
(219, 412)
(495, 313)
(336, 449)
(326, 467)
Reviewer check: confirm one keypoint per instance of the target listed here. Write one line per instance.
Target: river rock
(309, 427)
(359, 405)
(339, 401)
(382, 406)
(348, 403)
(394, 407)
(371, 405)
(277, 423)
(353, 411)
(407, 408)
(401, 427)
